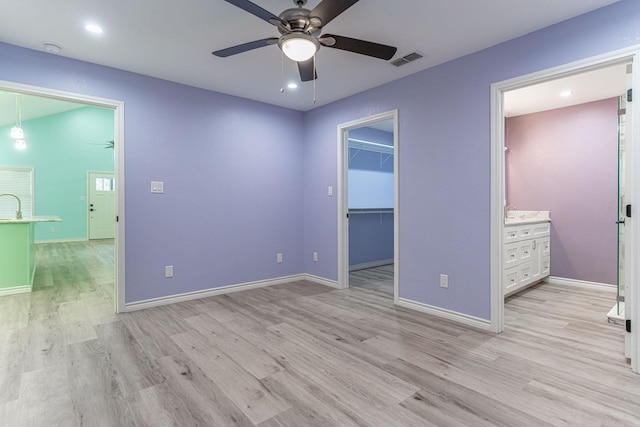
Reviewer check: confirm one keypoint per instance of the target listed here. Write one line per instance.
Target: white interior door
(101, 205)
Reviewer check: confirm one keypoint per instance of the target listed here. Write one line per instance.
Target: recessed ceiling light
(93, 28)
(566, 93)
(292, 85)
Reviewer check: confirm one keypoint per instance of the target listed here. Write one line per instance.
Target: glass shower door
(619, 307)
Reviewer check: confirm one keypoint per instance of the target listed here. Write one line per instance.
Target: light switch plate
(157, 187)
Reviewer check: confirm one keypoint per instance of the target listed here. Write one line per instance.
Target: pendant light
(16, 131)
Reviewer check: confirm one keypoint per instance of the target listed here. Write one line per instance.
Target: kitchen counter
(37, 218)
(18, 253)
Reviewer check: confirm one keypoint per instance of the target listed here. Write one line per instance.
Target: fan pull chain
(282, 72)
(314, 79)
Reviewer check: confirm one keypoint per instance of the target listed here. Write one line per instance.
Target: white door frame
(343, 207)
(498, 180)
(118, 134)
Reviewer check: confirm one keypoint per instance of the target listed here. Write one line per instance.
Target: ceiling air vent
(406, 59)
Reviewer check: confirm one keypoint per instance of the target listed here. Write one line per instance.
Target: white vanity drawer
(544, 246)
(515, 277)
(542, 229)
(525, 250)
(517, 252)
(515, 233)
(511, 234)
(510, 278)
(511, 254)
(545, 266)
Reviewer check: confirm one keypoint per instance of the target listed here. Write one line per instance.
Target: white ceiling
(173, 40)
(31, 107)
(601, 83)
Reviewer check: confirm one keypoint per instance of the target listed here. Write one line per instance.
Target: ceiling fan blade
(256, 10)
(307, 72)
(327, 10)
(359, 46)
(223, 53)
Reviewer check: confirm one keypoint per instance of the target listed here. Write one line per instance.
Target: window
(19, 182)
(104, 184)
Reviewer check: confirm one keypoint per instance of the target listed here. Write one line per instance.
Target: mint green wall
(62, 148)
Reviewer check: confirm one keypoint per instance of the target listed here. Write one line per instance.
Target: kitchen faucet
(19, 212)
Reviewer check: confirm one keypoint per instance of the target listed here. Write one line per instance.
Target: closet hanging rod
(361, 144)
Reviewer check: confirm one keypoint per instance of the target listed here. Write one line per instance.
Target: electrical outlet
(444, 281)
(168, 271)
(279, 257)
(53, 229)
(315, 257)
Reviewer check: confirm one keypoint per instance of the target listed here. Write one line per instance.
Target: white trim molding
(14, 290)
(205, 293)
(627, 55)
(343, 207)
(561, 281)
(69, 240)
(118, 136)
(454, 316)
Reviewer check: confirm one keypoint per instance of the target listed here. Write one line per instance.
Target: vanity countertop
(526, 217)
(37, 218)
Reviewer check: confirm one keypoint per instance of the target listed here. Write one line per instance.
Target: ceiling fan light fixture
(299, 47)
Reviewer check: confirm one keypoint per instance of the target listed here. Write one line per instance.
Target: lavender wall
(233, 185)
(566, 161)
(444, 156)
(236, 192)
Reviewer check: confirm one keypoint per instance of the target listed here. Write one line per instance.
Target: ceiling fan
(300, 31)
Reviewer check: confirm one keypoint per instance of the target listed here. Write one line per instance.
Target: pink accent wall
(566, 161)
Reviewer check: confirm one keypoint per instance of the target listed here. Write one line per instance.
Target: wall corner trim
(455, 316)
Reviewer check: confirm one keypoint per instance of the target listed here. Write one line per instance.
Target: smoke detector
(52, 47)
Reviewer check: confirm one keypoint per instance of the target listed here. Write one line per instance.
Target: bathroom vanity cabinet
(527, 254)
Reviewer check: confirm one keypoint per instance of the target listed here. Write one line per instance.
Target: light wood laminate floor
(300, 354)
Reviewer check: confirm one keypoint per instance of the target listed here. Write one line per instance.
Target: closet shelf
(360, 144)
(362, 211)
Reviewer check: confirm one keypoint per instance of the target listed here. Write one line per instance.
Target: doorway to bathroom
(367, 204)
(595, 174)
(62, 155)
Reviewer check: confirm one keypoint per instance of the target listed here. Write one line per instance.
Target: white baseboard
(464, 319)
(39, 242)
(581, 284)
(371, 264)
(15, 290)
(187, 296)
(322, 281)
